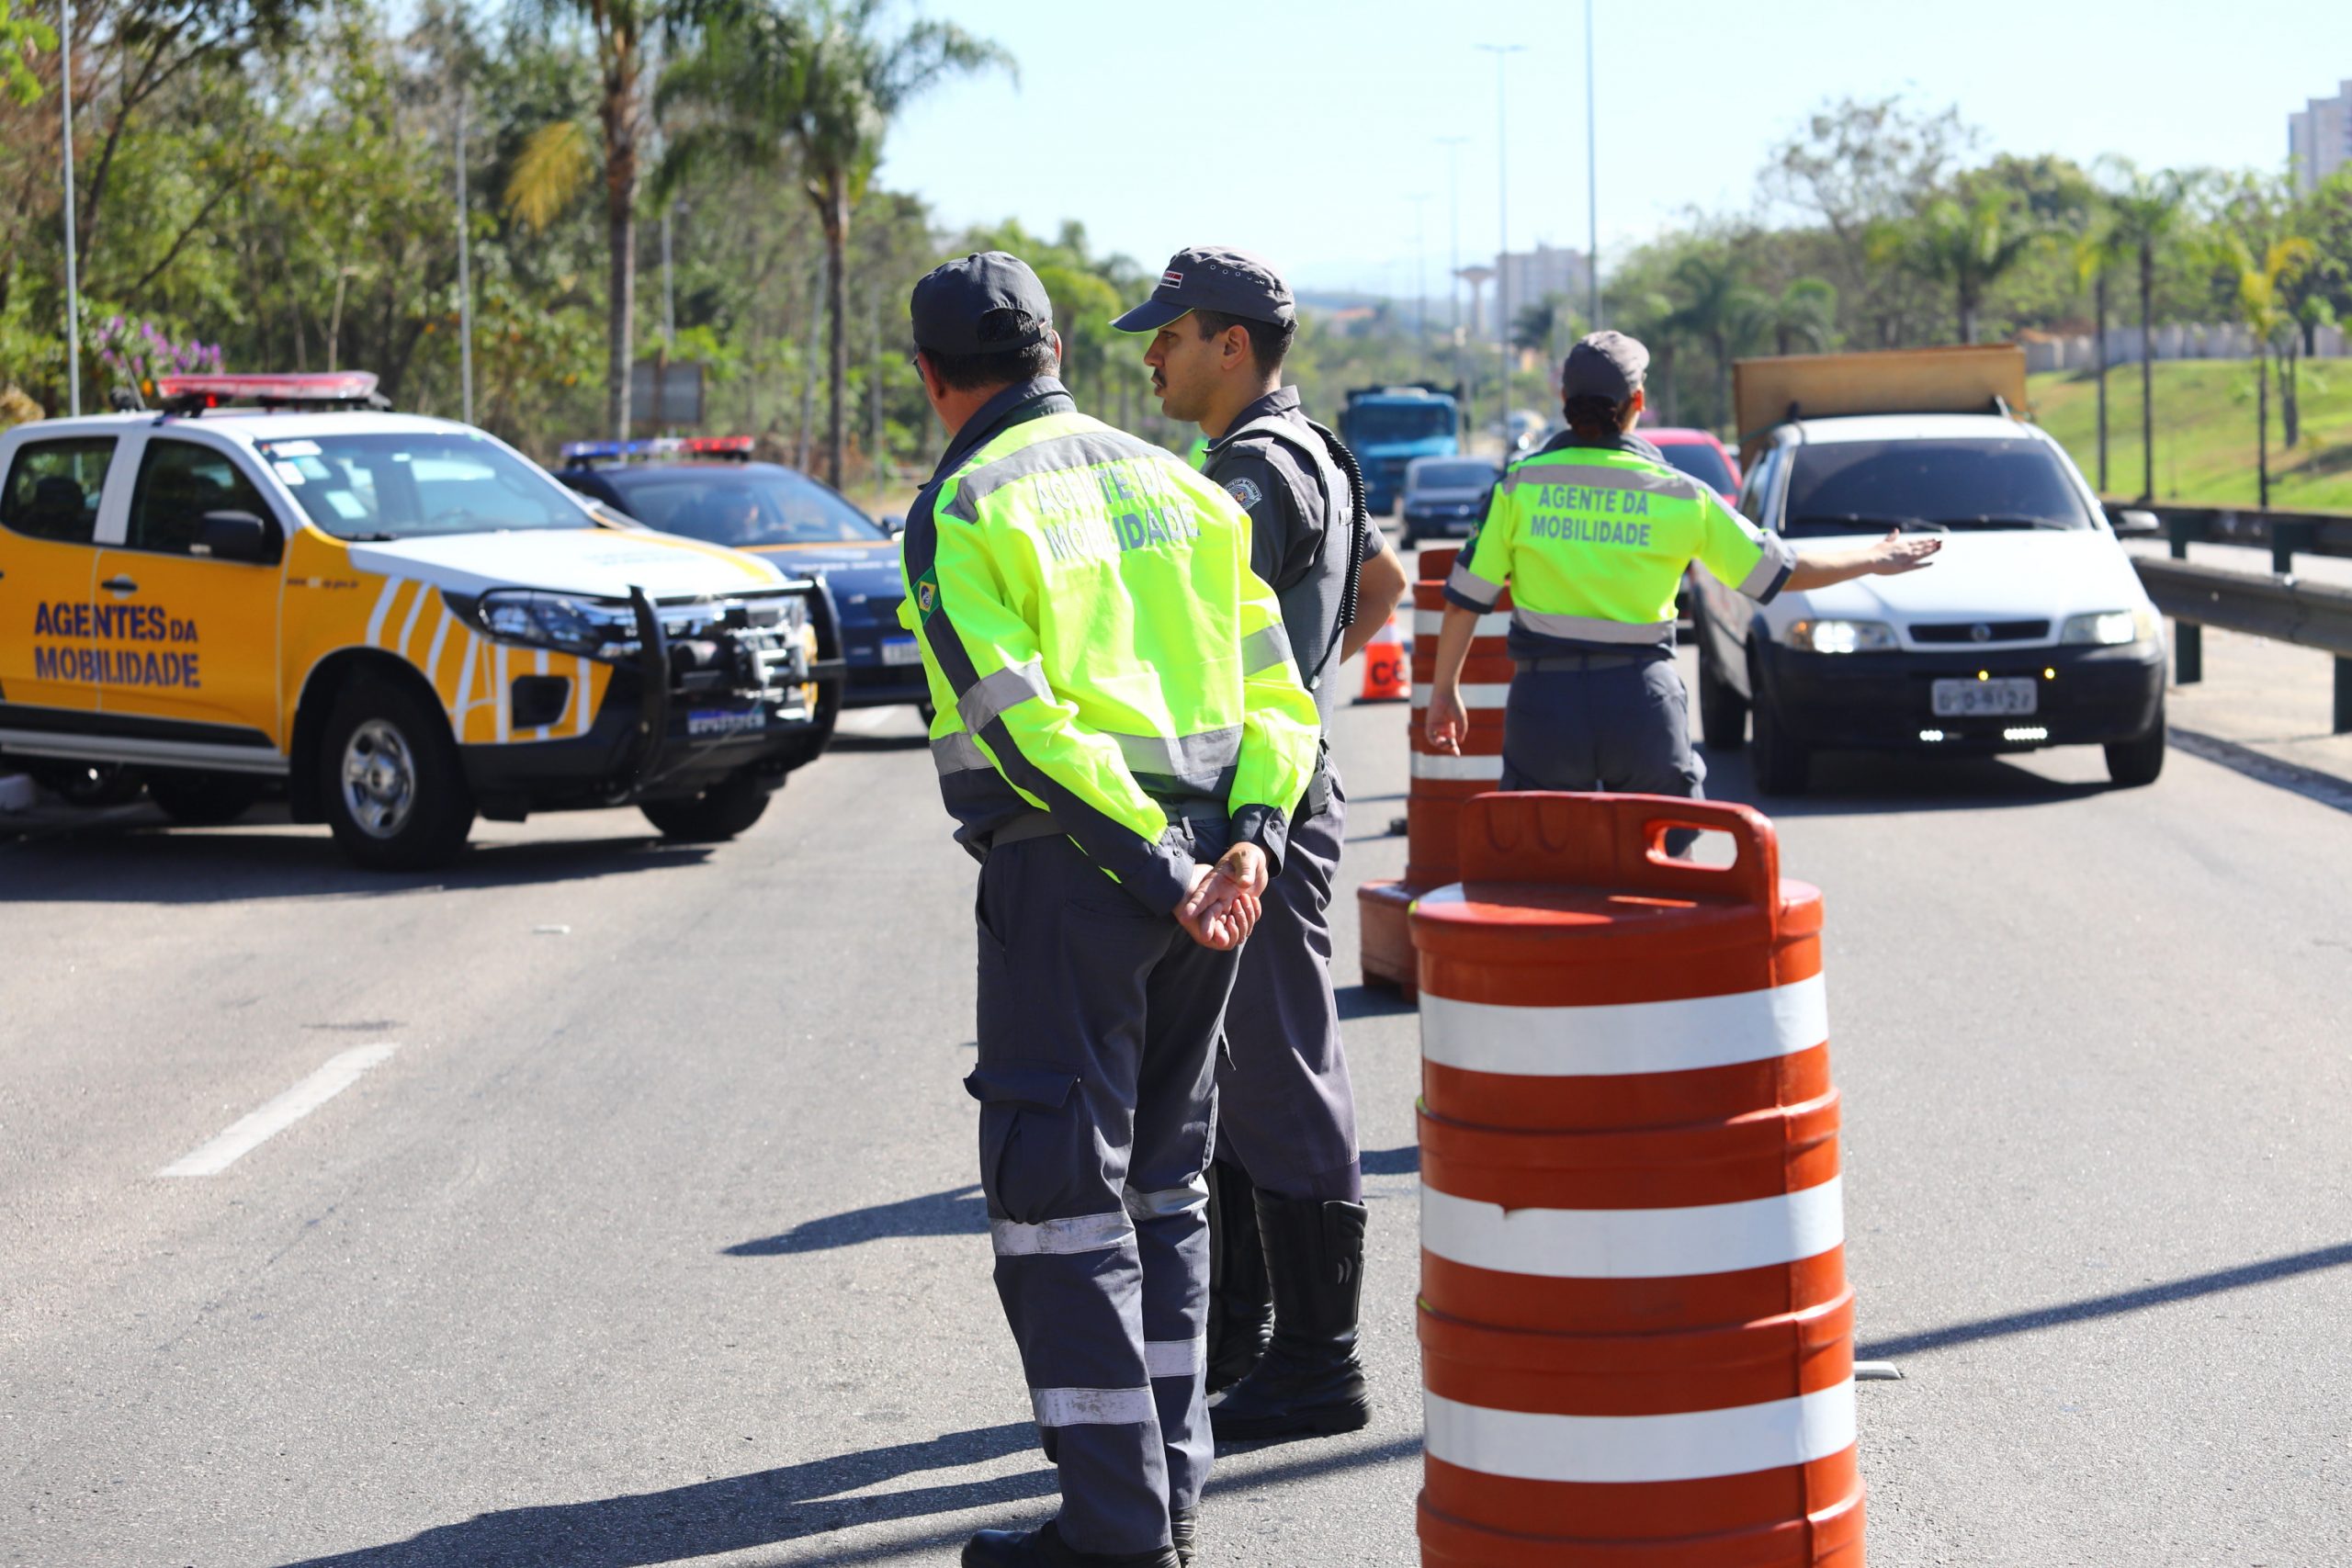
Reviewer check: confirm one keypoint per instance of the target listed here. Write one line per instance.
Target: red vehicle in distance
(1700, 455)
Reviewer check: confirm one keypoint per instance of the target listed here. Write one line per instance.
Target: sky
(1303, 130)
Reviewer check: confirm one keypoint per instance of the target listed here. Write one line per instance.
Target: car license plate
(703, 723)
(1975, 699)
(900, 650)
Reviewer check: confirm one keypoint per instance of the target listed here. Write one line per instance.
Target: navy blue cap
(1605, 365)
(1212, 277)
(987, 302)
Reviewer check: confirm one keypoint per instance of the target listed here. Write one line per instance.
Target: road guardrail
(2285, 535)
(2280, 607)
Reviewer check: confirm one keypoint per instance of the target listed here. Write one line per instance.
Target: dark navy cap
(1604, 365)
(1212, 277)
(987, 302)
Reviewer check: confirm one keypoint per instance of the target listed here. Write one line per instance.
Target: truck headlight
(556, 620)
(1839, 636)
(2109, 628)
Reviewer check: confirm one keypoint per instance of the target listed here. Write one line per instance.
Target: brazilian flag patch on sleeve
(927, 593)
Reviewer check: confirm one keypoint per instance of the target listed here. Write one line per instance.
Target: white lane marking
(256, 1128)
(1429, 623)
(1473, 696)
(1633, 1243)
(1609, 1449)
(1627, 1037)
(873, 721)
(1436, 765)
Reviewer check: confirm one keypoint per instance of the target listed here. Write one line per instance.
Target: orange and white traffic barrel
(1636, 1332)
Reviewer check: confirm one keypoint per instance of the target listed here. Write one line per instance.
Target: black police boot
(1184, 1526)
(1043, 1547)
(1309, 1383)
(1241, 1304)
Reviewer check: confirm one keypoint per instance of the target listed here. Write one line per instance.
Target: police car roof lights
(324, 390)
(582, 453)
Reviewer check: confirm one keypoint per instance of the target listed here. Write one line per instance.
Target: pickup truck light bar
(329, 390)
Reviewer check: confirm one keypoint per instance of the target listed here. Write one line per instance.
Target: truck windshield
(1868, 486)
(1385, 423)
(414, 484)
(734, 507)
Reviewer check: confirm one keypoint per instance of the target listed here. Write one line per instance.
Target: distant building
(2319, 139)
(1530, 276)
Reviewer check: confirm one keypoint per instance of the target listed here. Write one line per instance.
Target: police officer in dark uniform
(1287, 1216)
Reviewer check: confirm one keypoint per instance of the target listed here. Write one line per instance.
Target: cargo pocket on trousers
(1028, 1135)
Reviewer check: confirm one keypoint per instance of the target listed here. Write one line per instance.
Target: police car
(275, 577)
(708, 488)
(2030, 629)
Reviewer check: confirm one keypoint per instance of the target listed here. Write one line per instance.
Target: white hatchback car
(2030, 629)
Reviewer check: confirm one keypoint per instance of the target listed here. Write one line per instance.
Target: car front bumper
(1884, 701)
(1442, 525)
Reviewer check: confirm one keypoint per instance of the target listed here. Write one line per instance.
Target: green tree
(2147, 209)
(21, 37)
(817, 89)
(2262, 283)
(1804, 313)
(2098, 252)
(1962, 244)
(1718, 307)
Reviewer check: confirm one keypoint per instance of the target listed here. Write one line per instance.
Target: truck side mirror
(235, 535)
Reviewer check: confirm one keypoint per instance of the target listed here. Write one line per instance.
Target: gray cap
(1604, 365)
(1212, 277)
(987, 302)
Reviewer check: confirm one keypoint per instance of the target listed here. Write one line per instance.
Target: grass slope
(2205, 432)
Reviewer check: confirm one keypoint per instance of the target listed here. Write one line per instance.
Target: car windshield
(1702, 462)
(413, 484)
(1452, 476)
(1398, 422)
(1858, 487)
(740, 507)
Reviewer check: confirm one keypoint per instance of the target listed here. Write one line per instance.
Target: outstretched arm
(1891, 557)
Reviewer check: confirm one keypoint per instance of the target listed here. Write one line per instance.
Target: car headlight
(2109, 628)
(1839, 636)
(556, 620)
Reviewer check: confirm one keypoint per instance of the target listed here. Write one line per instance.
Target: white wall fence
(2171, 343)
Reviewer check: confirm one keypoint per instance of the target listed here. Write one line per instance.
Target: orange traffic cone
(1386, 678)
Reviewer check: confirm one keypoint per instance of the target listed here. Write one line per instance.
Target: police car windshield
(1862, 487)
(418, 484)
(740, 507)
(1452, 476)
(1702, 462)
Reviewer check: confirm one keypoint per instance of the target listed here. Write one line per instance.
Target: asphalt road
(648, 1233)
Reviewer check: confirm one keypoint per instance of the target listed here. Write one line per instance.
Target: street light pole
(1452, 145)
(1502, 53)
(1420, 272)
(73, 285)
(1591, 174)
(464, 275)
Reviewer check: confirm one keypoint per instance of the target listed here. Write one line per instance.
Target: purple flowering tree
(135, 351)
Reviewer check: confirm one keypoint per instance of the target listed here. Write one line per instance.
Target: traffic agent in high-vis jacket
(1121, 735)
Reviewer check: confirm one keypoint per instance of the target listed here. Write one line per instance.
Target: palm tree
(1719, 308)
(1968, 247)
(2262, 287)
(1805, 312)
(2146, 211)
(2100, 251)
(817, 88)
(554, 162)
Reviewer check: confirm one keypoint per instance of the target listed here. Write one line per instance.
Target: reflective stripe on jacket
(1592, 544)
(1098, 649)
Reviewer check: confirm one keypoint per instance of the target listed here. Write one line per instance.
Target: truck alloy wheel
(394, 790)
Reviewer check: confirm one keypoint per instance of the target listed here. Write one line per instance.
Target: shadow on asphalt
(1369, 1001)
(2121, 1302)
(845, 742)
(1857, 783)
(771, 1506)
(137, 865)
(1405, 1161)
(959, 1211)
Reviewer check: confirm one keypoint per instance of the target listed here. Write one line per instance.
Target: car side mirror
(2137, 525)
(235, 535)
(892, 524)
